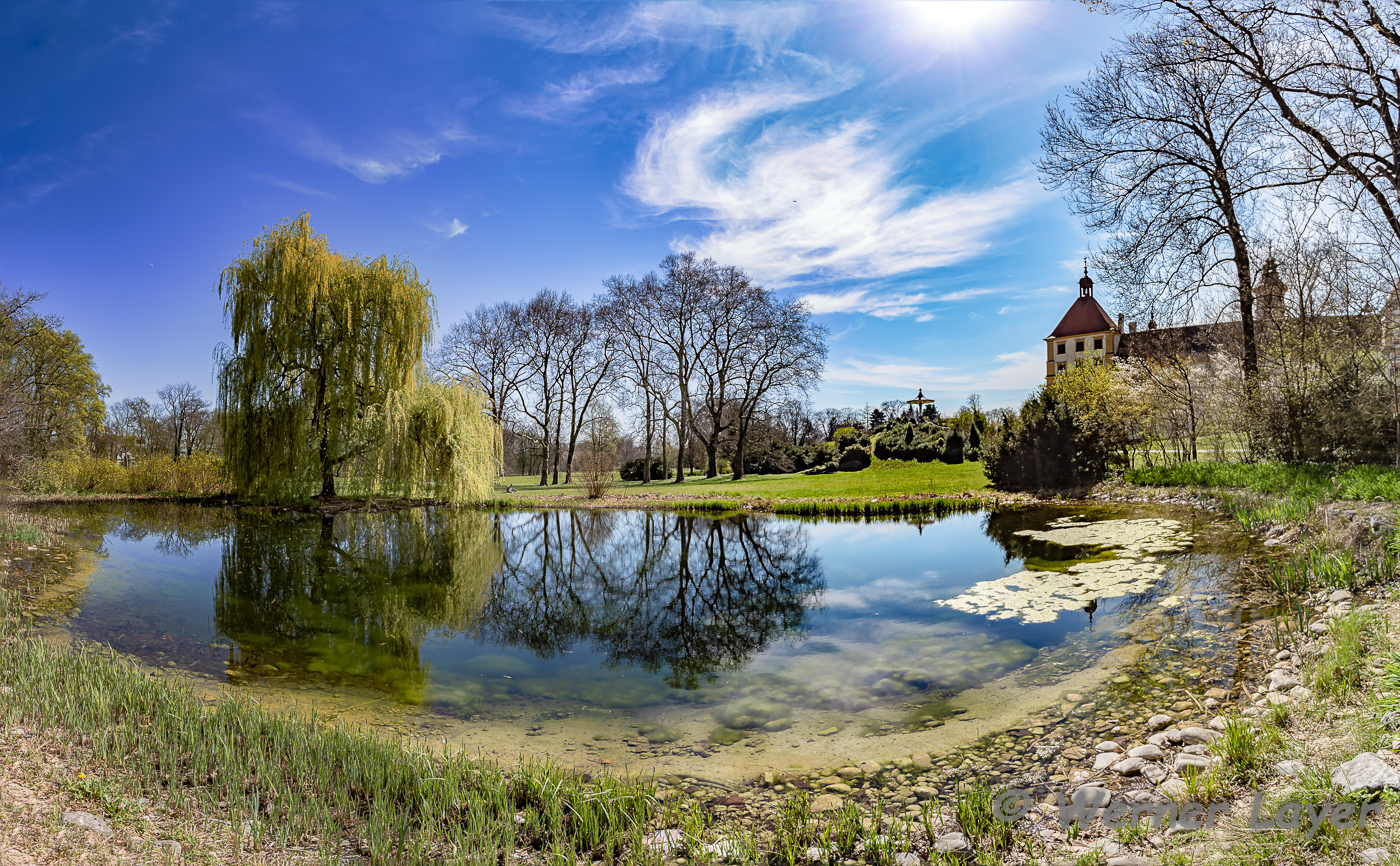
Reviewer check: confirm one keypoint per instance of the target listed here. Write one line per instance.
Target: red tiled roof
(1085, 316)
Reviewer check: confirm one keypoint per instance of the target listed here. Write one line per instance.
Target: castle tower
(1086, 333)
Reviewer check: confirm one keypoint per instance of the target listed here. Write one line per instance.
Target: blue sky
(874, 158)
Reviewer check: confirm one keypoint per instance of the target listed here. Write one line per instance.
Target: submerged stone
(751, 713)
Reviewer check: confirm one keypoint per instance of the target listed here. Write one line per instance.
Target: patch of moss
(726, 736)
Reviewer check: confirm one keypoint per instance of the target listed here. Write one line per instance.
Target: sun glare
(961, 24)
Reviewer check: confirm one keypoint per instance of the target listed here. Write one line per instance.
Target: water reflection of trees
(652, 589)
(354, 595)
(177, 528)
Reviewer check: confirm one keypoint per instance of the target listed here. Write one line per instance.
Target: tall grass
(298, 783)
(1252, 511)
(1248, 750)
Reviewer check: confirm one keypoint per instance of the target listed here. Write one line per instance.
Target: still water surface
(495, 621)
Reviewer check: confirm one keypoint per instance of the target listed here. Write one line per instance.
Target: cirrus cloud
(796, 199)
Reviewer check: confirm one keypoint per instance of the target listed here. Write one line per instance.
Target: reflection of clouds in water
(858, 663)
(889, 591)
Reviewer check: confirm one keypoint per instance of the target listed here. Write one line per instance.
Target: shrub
(632, 470)
(953, 451)
(782, 458)
(770, 461)
(903, 440)
(1043, 448)
(854, 459)
(845, 437)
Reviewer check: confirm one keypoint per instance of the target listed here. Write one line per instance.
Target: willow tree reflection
(354, 596)
(650, 589)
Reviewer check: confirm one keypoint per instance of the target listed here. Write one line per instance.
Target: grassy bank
(1307, 482)
(291, 784)
(883, 478)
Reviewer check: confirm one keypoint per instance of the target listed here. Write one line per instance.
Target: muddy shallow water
(713, 647)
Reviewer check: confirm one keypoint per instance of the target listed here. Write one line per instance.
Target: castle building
(1086, 332)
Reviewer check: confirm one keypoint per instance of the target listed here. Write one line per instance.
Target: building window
(1060, 349)
(1060, 367)
(1098, 342)
(1078, 345)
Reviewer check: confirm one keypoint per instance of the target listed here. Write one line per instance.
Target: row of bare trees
(179, 423)
(698, 352)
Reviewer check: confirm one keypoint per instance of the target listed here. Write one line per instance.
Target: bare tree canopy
(1165, 151)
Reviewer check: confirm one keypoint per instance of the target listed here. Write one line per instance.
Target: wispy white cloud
(455, 228)
(1013, 370)
(32, 178)
(894, 373)
(561, 101)
(389, 155)
(926, 317)
(291, 185)
(963, 295)
(886, 306)
(762, 28)
(788, 199)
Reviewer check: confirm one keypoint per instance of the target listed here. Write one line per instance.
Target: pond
(654, 640)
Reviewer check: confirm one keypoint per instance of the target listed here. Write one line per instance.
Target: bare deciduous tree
(1165, 150)
(186, 414)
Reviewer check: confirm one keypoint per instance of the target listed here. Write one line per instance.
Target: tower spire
(1086, 285)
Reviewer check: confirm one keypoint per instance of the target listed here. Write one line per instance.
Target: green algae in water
(659, 733)
(939, 710)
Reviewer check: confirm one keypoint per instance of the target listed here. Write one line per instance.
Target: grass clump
(300, 784)
(974, 808)
(1247, 750)
(1338, 671)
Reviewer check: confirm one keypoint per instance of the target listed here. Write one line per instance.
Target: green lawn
(1314, 482)
(884, 478)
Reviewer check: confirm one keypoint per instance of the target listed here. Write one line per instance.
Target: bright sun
(961, 23)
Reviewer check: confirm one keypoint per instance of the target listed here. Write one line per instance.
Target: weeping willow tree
(326, 346)
(437, 440)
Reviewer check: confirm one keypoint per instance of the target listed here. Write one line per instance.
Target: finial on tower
(1086, 285)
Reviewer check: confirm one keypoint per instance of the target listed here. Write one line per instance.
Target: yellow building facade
(1085, 333)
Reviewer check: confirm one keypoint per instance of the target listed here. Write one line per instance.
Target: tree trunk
(327, 471)
(569, 463)
(740, 434)
(681, 430)
(712, 457)
(646, 459)
(558, 435)
(544, 454)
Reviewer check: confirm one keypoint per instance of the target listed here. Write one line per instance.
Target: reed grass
(292, 783)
